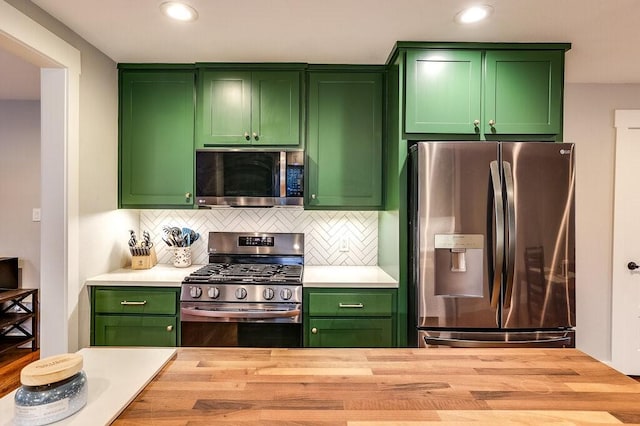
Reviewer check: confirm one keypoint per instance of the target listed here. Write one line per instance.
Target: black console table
(14, 315)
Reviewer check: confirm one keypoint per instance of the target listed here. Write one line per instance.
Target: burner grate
(226, 272)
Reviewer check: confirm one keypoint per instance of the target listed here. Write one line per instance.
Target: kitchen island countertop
(114, 377)
(163, 275)
(384, 386)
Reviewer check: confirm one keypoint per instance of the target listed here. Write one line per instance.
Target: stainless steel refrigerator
(492, 250)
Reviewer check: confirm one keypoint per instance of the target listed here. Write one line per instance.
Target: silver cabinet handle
(255, 136)
(313, 196)
(314, 330)
(492, 123)
(126, 303)
(351, 305)
(169, 328)
(476, 123)
(246, 136)
(187, 196)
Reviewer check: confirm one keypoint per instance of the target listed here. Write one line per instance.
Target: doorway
(59, 65)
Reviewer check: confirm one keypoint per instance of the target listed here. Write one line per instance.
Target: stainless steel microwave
(249, 177)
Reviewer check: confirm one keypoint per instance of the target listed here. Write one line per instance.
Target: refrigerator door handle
(511, 232)
(498, 216)
(469, 343)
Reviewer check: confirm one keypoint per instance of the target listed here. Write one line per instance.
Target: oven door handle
(254, 314)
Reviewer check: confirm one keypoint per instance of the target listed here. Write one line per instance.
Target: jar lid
(51, 369)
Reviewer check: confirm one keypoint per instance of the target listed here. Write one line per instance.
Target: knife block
(146, 261)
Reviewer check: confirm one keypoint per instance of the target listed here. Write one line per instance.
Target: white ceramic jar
(182, 257)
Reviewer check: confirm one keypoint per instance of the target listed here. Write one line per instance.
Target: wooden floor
(11, 363)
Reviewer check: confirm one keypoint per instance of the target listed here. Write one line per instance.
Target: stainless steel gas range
(249, 295)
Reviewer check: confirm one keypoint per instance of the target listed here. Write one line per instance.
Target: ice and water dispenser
(459, 265)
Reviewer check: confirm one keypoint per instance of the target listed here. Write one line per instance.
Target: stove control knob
(213, 292)
(241, 293)
(286, 294)
(195, 292)
(268, 293)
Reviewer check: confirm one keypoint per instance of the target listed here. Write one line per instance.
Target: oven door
(206, 324)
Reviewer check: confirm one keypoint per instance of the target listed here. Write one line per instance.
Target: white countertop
(347, 276)
(114, 377)
(163, 275)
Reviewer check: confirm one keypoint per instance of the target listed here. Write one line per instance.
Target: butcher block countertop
(384, 387)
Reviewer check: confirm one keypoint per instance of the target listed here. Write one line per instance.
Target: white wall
(20, 185)
(95, 246)
(588, 122)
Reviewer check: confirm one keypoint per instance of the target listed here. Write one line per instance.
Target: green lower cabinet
(135, 316)
(115, 330)
(344, 140)
(350, 333)
(348, 317)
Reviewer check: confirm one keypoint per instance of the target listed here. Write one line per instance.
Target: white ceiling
(604, 36)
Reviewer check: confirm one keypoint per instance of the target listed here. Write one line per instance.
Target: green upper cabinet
(523, 92)
(248, 108)
(484, 94)
(443, 91)
(157, 111)
(344, 140)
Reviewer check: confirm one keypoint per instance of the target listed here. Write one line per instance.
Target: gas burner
(245, 272)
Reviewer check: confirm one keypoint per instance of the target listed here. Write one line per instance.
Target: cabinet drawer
(135, 301)
(350, 304)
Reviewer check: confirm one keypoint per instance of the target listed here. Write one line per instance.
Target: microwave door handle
(283, 174)
(495, 193)
(511, 232)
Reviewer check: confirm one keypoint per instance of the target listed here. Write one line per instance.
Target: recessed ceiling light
(474, 14)
(179, 11)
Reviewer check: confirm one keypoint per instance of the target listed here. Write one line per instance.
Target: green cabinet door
(350, 333)
(275, 108)
(224, 108)
(344, 143)
(134, 316)
(156, 138)
(349, 317)
(523, 92)
(443, 89)
(484, 94)
(248, 108)
(117, 330)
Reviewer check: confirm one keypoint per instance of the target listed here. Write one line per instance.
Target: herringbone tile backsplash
(325, 231)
